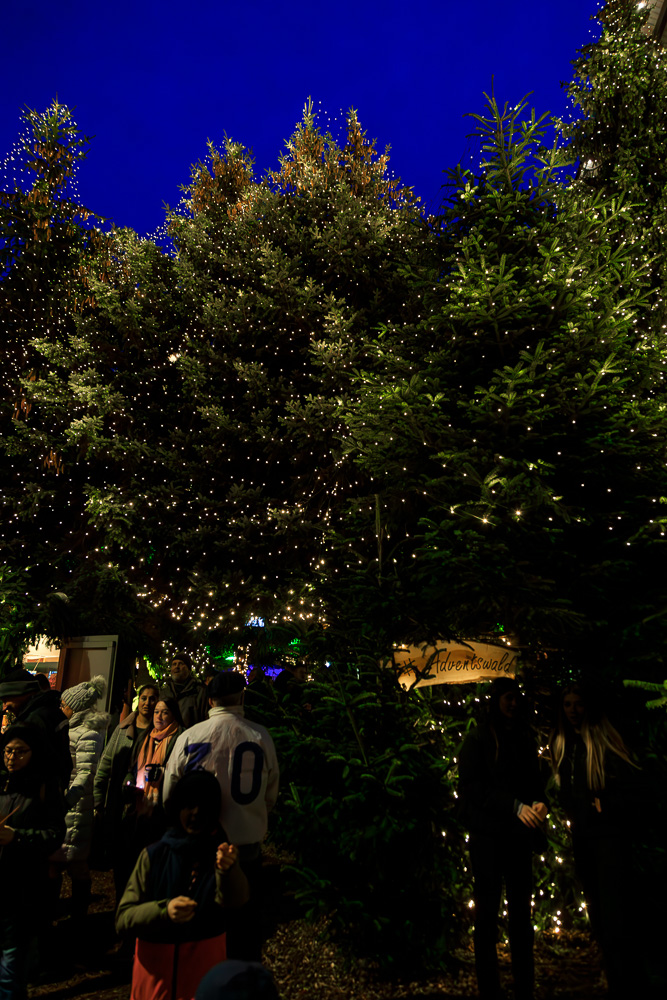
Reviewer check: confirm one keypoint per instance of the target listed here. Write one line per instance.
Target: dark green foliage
(368, 810)
(619, 134)
(282, 280)
(46, 246)
(188, 400)
(558, 898)
(15, 608)
(515, 439)
(324, 410)
(655, 689)
(619, 86)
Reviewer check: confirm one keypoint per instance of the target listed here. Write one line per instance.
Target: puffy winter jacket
(86, 735)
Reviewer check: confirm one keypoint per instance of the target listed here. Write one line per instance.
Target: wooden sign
(454, 663)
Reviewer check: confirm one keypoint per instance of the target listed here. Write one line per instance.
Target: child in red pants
(177, 899)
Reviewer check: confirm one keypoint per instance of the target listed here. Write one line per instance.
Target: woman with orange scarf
(143, 820)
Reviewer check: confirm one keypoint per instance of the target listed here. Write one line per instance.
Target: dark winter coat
(618, 799)
(113, 767)
(498, 769)
(192, 698)
(39, 820)
(179, 865)
(139, 830)
(40, 826)
(43, 710)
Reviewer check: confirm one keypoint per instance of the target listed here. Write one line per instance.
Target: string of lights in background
(319, 409)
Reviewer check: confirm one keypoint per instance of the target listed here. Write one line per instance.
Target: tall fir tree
(619, 133)
(45, 237)
(190, 400)
(516, 443)
(284, 286)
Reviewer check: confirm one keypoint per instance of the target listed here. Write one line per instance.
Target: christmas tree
(192, 401)
(516, 441)
(619, 92)
(46, 237)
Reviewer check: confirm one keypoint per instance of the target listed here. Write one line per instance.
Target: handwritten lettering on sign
(454, 663)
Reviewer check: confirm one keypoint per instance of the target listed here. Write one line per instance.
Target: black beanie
(18, 682)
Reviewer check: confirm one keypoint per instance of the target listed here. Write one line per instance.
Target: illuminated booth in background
(75, 661)
(43, 659)
(466, 662)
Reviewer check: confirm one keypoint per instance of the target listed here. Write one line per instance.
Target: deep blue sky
(153, 80)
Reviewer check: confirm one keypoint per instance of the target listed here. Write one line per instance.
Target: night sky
(152, 81)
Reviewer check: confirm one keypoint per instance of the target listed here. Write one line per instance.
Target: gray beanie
(84, 695)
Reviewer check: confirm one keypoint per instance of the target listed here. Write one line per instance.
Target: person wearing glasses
(32, 824)
(21, 695)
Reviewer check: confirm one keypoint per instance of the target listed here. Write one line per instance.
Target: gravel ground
(304, 964)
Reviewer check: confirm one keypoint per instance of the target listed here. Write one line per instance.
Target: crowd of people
(177, 799)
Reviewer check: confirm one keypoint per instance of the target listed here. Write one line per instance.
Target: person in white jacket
(87, 728)
(243, 759)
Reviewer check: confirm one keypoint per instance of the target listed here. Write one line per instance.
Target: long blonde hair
(599, 737)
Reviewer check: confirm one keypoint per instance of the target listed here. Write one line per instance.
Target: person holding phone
(144, 819)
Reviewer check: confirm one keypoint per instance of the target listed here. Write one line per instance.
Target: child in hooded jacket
(177, 899)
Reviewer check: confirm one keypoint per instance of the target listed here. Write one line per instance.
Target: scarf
(154, 751)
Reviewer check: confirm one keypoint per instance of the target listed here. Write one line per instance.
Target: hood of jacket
(90, 719)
